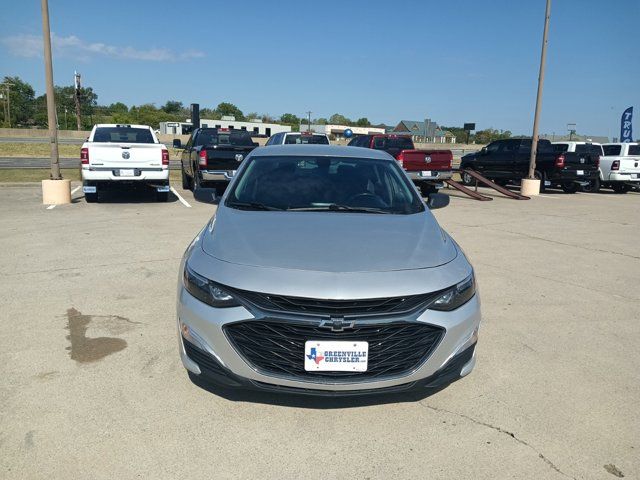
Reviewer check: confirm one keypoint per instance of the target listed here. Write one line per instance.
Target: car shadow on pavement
(133, 196)
(295, 400)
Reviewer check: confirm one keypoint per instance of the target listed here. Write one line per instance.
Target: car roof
(314, 150)
(128, 125)
(305, 133)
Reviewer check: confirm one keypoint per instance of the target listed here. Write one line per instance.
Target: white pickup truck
(123, 156)
(620, 166)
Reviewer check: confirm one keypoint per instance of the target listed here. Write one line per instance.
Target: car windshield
(122, 135)
(235, 138)
(334, 184)
(315, 139)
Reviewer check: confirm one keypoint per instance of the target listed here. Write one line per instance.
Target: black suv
(508, 160)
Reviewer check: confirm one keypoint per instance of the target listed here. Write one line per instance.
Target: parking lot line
(51, 207)
(182, 200)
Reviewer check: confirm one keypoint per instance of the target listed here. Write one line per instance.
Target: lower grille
(277, 347)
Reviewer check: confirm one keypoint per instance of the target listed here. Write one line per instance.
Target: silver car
(324, 272)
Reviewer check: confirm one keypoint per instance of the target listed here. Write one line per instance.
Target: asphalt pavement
(92, 386)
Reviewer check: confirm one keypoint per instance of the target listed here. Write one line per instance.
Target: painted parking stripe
(51, 207)
(182, 200)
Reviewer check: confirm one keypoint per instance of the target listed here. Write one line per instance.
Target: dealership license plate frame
(330, 363)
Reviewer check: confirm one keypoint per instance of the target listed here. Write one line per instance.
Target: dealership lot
(93, 386)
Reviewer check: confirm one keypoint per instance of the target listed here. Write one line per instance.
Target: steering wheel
(362, 195)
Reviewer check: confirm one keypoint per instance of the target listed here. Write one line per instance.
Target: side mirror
(206, 195)
(177, 143)
(483, 151)
(437, 200)
(256, 144)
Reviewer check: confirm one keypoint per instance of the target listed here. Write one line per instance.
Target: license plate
(425, 173)
(89, 189)
(127, 173)
(635, 175)
(335, 356)
(580, 172)
(165, 188)
(547, 183)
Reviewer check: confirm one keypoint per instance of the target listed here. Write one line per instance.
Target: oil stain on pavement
(86, 350)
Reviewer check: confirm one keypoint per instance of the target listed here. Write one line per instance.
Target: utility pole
(543, 58)
(76, 97)
(309, 124)
(51, 101)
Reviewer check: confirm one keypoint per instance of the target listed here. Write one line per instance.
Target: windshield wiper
(335, 207)
(252, 206)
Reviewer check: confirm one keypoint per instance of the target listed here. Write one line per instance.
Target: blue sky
(451, 61)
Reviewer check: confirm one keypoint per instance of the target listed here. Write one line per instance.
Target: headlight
(207, 291)
(456, 296)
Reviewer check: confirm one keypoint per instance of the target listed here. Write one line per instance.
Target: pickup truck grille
(277, 347)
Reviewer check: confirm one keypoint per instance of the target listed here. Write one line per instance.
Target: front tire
(186, 181)
(467, 179)
(570, 187)
(538, 175)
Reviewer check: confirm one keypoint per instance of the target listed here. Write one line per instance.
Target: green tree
(251, 116)
(22, 100)
(321, 121)
(289, 119)
(226, 108)
(363, 122)
(118, 107)
(173, 106)
(337, 119)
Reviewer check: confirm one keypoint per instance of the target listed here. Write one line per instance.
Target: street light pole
(543, 58)
(51, 101)
(309, 124)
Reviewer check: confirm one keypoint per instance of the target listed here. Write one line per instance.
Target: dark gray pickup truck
(507, 161)
(212, 155)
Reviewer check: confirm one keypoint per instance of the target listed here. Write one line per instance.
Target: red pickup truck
(427, 168)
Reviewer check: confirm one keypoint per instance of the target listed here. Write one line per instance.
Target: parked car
(123, 156)
(296, 138)
(580, 153)
(324, 272)
(505, 161)
(427, 168)
(212, 155)
(620, 166)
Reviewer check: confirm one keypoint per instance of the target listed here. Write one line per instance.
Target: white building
(256, 126)
(337, 131)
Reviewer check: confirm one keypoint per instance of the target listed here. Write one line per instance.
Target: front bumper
(217, 175)
(427, 175)
(208, 353)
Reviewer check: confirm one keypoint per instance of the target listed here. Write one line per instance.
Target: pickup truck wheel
(620, 187)
(538, 175)
(467, 179)
(186, 181)
(427, 189)
(593, 187)
(570, 187)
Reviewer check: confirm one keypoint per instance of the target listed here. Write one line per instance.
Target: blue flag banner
(626, 133)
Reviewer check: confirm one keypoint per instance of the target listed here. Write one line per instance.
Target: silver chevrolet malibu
(323, 272)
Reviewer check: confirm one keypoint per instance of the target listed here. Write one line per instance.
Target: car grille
(277, 347)
(323, 307)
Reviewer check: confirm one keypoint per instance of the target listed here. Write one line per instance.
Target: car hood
(327, 241)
